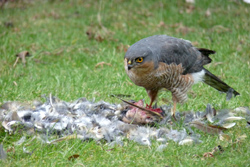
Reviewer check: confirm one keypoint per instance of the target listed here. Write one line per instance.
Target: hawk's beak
(129, 65)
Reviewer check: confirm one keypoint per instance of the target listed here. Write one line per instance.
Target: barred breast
(165, 76)
(174, 81)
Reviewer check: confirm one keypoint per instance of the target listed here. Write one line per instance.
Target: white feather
(198, 76)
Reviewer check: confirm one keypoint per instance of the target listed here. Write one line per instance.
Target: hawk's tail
(218, 84)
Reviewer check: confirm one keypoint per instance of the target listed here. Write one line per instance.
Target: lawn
(77, 49)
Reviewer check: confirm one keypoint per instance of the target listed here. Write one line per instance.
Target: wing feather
(171, 50)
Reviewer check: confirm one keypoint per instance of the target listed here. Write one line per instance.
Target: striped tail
(218, 84)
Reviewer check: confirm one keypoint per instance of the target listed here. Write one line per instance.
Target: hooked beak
(129, 65)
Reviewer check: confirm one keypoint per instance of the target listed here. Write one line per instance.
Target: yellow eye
(139, 60)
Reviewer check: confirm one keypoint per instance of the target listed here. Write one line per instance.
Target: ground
(77, 50)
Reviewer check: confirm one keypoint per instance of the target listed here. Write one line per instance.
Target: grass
(64, 60)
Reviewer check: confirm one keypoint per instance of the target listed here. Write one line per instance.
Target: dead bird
(110, 122)
(138, 114)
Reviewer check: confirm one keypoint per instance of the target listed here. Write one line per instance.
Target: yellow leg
(152, 95)
(174, 108)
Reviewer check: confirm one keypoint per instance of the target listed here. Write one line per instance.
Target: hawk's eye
(139, 60)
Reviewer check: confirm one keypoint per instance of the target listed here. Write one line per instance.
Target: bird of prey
(161, 61)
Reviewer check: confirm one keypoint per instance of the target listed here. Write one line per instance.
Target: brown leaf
(190, 9)
(176, 25)
(208, 154)
(9, 24)
(22, 55)
(101, 64)
(241, 138)
(162, 24)
(145, 13)
(73, 157)
(211, 154)
(99, 38)
(14, 82)
(2, 3)
(110, 149)
(195, 43)
(54, 15)
(11, 149)
(217, 63)
(122, 47)
(208, 13)
(90, 34)
(220, 29)
(100, 33)
(183, 29)
(224, 137)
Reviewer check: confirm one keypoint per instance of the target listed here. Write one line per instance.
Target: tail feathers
(205, 55)
(206, 52)
(218, 84)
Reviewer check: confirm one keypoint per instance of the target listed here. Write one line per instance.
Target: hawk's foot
(158, 110)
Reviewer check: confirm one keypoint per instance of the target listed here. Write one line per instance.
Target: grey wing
(179, 51)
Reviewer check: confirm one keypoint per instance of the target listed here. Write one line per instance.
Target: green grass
(64, 58)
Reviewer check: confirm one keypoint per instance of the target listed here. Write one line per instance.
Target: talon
(173, 115)
(158, 110)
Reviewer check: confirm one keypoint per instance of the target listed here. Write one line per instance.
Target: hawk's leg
(174, 108)
(152, 95)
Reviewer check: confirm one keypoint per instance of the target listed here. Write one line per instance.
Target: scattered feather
(190, 140)
(209, 113)
(229, 94)
(3, 154)
(162, 140)
(161, 147)
(224, 137)
(118, 141)
(83, 119)
(233, 118)
(19, 142)
(242, 137)
(244, 110)
(28, 152)
(205, 128)
(176, 135)
(187, 141)
(228, 125)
